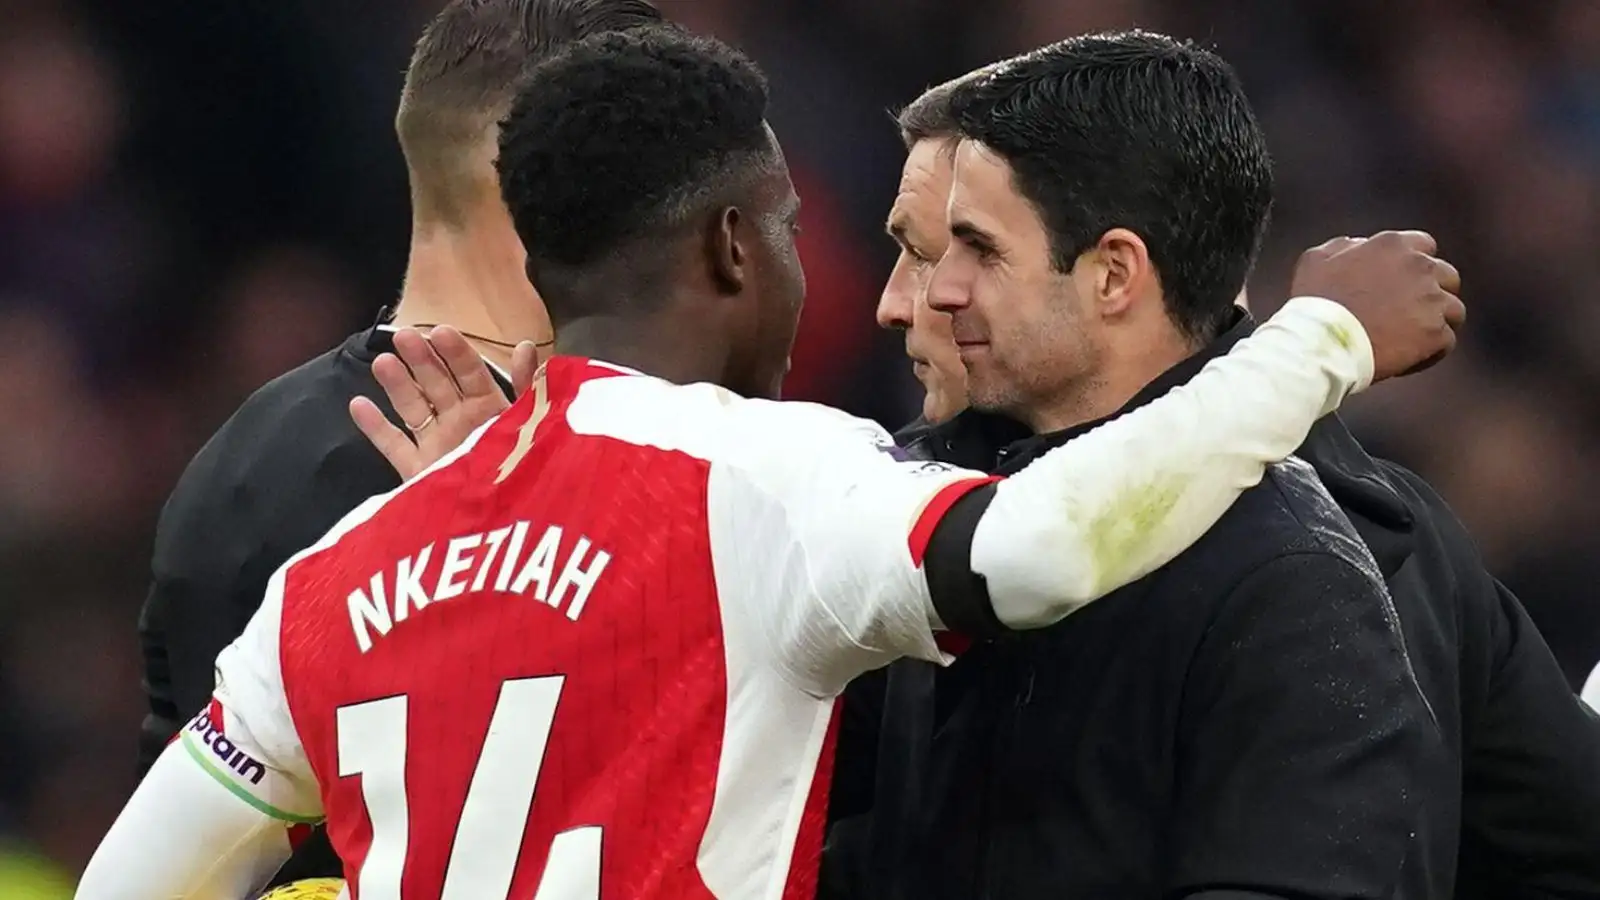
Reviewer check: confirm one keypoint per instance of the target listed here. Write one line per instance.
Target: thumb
(524, 363)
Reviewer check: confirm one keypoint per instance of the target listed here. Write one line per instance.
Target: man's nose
(950, 286)
(894, 307)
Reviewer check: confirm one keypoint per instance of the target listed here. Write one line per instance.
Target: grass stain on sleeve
(1120, 535)
(1340, 334)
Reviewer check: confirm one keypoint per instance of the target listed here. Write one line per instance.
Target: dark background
(195, 197)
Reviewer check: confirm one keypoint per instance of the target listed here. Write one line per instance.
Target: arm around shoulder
(1093, 515)
(1115, 504)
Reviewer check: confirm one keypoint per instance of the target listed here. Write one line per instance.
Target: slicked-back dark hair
(929, 117)
(1139, 131)
(466, 68)
(619, 142)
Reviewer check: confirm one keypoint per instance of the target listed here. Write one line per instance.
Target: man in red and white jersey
(594, 652)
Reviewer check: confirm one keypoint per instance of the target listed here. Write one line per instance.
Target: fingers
(465, 367)
(1339, 244)
(524, 365)
(1455, 312)
(1449, 276)
(1449, 347)
(404, 394)
(433, 379)
(1420, 241)
(393, 443)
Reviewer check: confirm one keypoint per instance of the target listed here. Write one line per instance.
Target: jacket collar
(972, 439)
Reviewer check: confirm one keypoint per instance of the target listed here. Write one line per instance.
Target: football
(308, 889)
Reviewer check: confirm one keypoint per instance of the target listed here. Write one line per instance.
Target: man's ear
(1123, 272)
(726, 252)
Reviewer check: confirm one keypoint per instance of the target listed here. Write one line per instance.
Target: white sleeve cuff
(1343, 331)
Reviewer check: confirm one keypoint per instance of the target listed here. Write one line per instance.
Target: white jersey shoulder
(811, 513)
(762, 438)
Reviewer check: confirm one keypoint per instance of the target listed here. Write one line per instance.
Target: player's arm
(211, 818)
(1308, 764)
(893, 550)
(1115, 504)
(187, 834)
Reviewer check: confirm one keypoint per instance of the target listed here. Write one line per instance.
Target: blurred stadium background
(196, 197)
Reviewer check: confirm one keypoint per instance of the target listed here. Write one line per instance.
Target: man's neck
(472, 280)
(1124, 373)
(649, 344)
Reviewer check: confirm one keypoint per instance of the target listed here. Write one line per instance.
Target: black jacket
(273, 479)
(1245, 722)
(1526, 750)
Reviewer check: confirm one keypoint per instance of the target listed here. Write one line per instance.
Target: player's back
(514, 678)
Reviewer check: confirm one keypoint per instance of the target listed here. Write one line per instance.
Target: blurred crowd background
(197, 197)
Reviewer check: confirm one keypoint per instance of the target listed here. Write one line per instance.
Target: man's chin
(937, 410)
(990, 401)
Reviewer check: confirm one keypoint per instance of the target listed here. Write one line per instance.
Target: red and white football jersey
(594, 653)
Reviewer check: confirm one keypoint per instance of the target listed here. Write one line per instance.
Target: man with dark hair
(657, 587)
(1191, 224)
(289, 462)
(1527, 756)
(604, 225)
(1243, 722)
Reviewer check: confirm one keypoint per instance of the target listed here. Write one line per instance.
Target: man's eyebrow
(896, 227)
(968, 233)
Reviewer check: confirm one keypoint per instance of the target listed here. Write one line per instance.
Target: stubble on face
(1019, 323)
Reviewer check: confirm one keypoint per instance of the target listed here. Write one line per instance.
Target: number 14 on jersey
(372, 740)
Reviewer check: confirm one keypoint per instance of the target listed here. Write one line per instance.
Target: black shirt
(1244, 722)
(274, 478)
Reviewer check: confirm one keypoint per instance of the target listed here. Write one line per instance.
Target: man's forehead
(928, 165)
(983, 188)
(924, 181)
(978, 168)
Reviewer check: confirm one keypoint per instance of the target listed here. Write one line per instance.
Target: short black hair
(464, 71)
(1139, 131)
(620, 141)
(929, 117)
